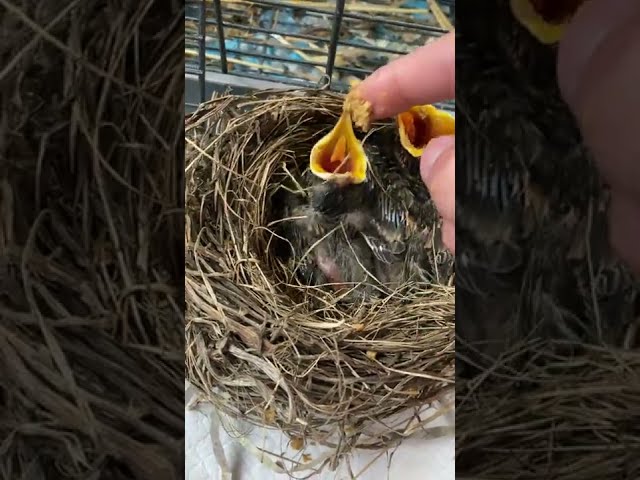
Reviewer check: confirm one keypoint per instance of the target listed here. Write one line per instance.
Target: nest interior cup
(262, 345)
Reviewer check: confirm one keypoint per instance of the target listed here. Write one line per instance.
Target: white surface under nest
(430, 457)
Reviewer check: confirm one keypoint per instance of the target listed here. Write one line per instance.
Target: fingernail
(432, 152)
(593, 23)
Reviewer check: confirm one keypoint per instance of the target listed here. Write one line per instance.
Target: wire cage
(256, 44)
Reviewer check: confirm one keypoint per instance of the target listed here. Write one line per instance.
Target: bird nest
(263, 345)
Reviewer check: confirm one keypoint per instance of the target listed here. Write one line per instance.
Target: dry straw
(551, 409)
(265, 348)
(91, 329)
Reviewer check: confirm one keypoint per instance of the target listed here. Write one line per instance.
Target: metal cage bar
(223, 48)
(357, 16)
(202, 59)
(335, 35)
(264, 51)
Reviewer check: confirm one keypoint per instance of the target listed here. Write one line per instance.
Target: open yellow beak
(339, 156)
(545, 19)
(420, 124)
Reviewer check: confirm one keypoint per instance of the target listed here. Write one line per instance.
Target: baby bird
(360, 217)
(392, 208)
(371, 232)
(322, 250)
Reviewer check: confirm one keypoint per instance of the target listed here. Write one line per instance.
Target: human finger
(599, 81)
(426, 75)
(438, 171)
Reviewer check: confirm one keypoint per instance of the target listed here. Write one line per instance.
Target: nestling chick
(322, 251)
(391, 209)
(365, 217)
(339, 155)
(374, 234)
(418, 125)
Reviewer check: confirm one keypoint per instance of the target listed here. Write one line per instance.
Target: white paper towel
(415, 459)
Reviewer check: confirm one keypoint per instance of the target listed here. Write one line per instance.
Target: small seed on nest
(297, 443)
(270, 416)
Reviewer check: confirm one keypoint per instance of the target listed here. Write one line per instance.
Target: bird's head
(545, 19)
(339, 156)
(418, 125)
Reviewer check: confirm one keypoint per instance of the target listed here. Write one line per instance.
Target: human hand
(599, 75)
(426, 75)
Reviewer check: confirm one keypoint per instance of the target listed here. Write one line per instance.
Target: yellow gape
(545, 19)
(418, 125)
(339, 155)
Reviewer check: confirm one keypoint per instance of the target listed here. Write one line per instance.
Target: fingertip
(437, 170)
(432, 153)
(598, 74)
(588, 30)
(426, 75)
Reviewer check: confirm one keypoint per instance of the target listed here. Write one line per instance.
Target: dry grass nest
(551, 409)
(260, 345)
